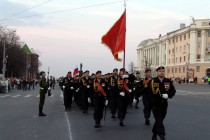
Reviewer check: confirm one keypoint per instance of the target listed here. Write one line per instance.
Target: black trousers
(113, 101)
(159, 112)
(147, 102)
(68, 94)
(98, 107)
(84, 97)
(122, 103)
(41, 100)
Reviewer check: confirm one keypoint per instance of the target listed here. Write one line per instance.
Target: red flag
(115, 37)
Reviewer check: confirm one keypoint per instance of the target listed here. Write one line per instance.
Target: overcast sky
(66, 39)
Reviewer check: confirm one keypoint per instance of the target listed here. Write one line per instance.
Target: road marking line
(16, 96)
(27, 96)
(38, 96)
(69, 127)
(4, 96)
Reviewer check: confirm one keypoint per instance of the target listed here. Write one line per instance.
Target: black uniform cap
(86, 71)
(147, 70)
(41, 72)
(115, 69)
(69, 72)
(160, 68)
(122, 69)
(98, 72)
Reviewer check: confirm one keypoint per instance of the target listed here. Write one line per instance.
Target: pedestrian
(42, 92)
(161, 89)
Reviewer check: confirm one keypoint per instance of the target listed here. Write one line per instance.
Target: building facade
(185, 53)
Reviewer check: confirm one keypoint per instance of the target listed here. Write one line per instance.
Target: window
(173, 60)
(168, 70)
(176, 49)
(172, 70)
(199, 45)
(175, 70)
(180, 38)
(208, 33)
(184, 58)
(180, 48)
(183, 70)
(176, 39)
(198, 56)
(184, 48)
(169, 51)
(176, 60)
(173, 51)
(173, 40)
(180, 59)
(189, 35)
(169, 42)
(184, 36)
(198, 69)
(179, 70)
(199, 34)
(169, 61)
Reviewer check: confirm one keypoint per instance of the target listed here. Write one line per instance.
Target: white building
(184, 52)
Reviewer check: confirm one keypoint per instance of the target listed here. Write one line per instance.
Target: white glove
(134, 100)
(63, 87)
(72, 87)
(134, 88)
(88, 86)
(125, 76)
(49, 88)
(165, 96)
(106, 102)
(89, 100)
(130, 90)
(122, 93)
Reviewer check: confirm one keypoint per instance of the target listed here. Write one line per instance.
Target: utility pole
(4, 62)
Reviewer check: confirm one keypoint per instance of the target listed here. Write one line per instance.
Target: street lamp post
(4, 62)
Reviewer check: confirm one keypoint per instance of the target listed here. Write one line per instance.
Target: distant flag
(76, 71)
(115, 37)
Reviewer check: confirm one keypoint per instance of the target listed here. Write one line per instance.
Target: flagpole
(123, 89)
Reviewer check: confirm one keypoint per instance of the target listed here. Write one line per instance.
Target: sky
(63, 40)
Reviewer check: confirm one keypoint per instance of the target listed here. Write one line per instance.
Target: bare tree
(131, 67)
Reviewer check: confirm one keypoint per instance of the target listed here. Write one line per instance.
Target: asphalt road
(187, 118)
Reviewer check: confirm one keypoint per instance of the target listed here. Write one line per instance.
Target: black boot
(154, 137)
(121, 123)
(97, 124)
(136, 105)
(147, 121)
(42, 114)
(162, 137)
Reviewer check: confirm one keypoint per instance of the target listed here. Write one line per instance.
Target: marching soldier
(131, 84)
(123, 95)
(100, 98)
(147, 102)
(113, 92)
(161, 89)
(85, 91)
(68, 91)
(42, 92)
(136, 89)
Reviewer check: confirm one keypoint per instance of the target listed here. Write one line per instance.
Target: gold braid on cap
(152, 87)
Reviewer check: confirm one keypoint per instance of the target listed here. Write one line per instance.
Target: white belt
(41, 88)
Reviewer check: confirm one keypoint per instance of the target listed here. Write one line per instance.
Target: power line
(15, 14)
(84, 7)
